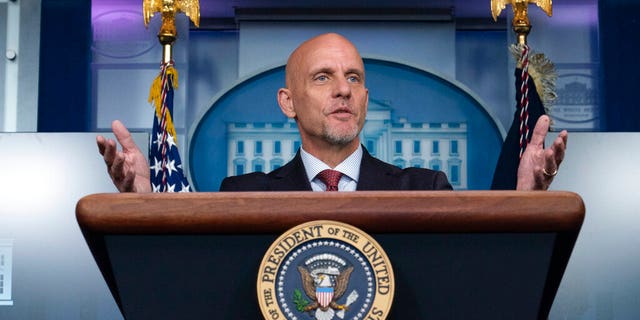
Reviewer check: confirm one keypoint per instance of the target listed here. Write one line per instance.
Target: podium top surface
(373, 211)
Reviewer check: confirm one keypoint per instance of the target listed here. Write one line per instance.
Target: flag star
(156, 188)
(185, 188)
(157, 166)
(171, 188)
(170, 141)
(158, 140)
(171, 166)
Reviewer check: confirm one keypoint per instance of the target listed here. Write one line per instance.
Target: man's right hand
(128, 168)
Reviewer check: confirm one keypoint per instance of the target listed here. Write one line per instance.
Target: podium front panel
(438, 276)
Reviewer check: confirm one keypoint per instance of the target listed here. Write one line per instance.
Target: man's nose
(342, 87)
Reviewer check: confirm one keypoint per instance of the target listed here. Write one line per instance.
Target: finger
(565, 137)
(550, 163)
(104, 144)
(540, 131)
(124, 136)
(117, 169)
(101, 141)
(559, 146)
(110, 152)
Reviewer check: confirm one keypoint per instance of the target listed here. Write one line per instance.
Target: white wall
(602, 280)
(54, 275)
(422, 44)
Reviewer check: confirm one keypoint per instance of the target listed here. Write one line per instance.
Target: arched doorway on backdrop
(415, 118)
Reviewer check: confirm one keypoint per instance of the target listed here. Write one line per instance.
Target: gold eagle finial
(520, 20)
(519, 7)
(169, 9)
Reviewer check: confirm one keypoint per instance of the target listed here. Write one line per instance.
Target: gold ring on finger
(552, 174)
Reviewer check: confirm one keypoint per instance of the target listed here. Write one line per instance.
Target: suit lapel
(291, 177)
(375, 174)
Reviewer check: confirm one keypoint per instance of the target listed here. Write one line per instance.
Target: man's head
(325, 92)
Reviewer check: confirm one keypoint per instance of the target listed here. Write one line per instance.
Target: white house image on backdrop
(261, 146)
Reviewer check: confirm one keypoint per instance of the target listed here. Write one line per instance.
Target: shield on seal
(324, 295)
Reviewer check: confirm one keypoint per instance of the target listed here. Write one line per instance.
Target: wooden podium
(455, 255)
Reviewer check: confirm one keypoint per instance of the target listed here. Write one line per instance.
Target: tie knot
(330, 178)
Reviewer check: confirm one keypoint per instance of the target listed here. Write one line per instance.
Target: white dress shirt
(350, 169)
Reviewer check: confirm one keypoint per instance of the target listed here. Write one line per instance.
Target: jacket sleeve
(440, 182)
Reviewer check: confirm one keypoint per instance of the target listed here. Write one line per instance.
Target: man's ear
(286, 103)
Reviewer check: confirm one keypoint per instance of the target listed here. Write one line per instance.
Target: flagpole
(166, 174)
(167, 47)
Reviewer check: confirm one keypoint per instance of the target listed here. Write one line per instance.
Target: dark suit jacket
(374, 175)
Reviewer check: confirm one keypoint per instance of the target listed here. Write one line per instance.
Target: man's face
(327, 93)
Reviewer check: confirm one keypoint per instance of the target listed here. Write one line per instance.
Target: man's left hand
(538, 166)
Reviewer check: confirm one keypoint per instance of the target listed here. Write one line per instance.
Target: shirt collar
(349, 167)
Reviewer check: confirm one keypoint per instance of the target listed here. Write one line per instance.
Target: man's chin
(341, 139)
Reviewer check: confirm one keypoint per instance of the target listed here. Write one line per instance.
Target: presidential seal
(325, 270)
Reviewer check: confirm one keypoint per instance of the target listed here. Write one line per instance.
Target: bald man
(326, 95)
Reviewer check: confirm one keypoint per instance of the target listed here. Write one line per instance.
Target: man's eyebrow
(322, 70)
(357, 71)
(330, 70)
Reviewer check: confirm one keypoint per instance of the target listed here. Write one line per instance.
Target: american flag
(164, 158)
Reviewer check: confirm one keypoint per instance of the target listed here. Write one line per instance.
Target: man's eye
(353, 79)
(322, 78)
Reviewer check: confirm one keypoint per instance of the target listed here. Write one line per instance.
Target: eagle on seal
(319, 287)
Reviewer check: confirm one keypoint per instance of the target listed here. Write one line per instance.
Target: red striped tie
(330, 178)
